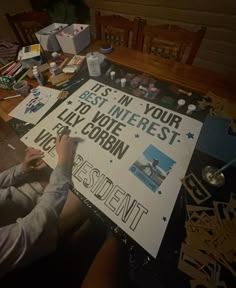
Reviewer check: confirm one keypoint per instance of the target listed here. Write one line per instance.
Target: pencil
(9, 68)
(10, 97)
(17, 72)
(12, 71)
(5, 66)
(22, 77)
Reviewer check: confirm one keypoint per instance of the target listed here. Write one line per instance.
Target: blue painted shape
(215, 141)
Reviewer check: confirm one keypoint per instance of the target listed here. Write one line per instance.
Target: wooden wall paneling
(218, 47)
(218, 6)
(190, 16)
(216, 67)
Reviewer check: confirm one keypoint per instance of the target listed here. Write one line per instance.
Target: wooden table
(189, 77)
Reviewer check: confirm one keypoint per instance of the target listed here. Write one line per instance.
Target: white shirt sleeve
(21, 242)
(11, 176)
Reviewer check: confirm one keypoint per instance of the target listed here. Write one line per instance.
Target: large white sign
(131, 157)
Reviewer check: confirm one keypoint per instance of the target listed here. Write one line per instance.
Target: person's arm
(33, 160)
(11, 176)
(19, 241)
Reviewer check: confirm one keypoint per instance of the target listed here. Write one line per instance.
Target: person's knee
(74, 212)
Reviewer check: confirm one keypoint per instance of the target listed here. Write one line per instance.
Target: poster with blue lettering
(131, 159)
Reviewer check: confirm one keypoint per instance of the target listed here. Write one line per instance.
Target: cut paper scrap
(210, 241)
(195, 189)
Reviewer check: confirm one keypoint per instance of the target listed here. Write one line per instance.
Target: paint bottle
(54, 69)
(38, 76)
(93, 63)
(55, 55)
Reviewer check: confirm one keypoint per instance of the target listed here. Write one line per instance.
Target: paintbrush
(222, 169)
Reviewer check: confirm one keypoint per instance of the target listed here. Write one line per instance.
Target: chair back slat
(117, 30)
(26, 24)
(169, 41)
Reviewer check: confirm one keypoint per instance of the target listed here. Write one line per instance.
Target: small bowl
(106, 48)
(22, 88)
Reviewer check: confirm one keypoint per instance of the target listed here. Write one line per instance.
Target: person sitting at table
(31, 223)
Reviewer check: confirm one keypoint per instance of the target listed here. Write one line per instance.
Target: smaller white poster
(32, 108)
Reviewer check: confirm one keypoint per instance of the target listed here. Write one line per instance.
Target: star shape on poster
(136, 136)
(69, 102)
(190, 135)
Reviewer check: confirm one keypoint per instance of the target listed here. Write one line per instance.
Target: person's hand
(65, 147)
(33, 160)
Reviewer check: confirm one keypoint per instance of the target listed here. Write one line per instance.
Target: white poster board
(32, 108)
(131, 159)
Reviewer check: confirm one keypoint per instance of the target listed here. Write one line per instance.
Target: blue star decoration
(136, 136)
(69, 102)
(190, 135)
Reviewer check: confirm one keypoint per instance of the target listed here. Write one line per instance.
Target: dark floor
(64, 267)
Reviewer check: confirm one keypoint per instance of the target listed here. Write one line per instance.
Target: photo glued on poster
(152, 167)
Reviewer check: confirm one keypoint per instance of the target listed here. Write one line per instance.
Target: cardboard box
(47, 36)
(74, 38)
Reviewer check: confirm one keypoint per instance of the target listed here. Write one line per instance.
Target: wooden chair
(26, 24)
(170, 41)
(117, 30)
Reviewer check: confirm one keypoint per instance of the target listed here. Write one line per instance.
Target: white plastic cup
(191, 108)
(123, 82)
(112, 74)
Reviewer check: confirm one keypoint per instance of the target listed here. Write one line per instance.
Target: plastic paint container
(22, 88)
(35, 92)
